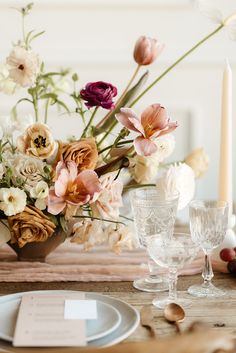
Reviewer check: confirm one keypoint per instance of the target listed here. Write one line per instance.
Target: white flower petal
(210, 11)
(179, 178)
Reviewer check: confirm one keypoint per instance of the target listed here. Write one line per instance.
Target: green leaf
(53, 219)
(63, 224)
(63, 105)
(35, 36)
(49, 95)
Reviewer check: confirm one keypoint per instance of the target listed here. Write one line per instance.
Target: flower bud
(146, 50)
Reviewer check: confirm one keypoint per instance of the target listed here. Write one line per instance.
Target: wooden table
(215, 312)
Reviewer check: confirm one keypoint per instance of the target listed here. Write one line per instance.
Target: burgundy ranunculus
(99, 94)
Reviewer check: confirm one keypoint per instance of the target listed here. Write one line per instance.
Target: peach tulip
(72, 188)
(154, 122)
(146, 50)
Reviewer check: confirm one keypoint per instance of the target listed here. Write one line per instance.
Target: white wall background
(96, 38)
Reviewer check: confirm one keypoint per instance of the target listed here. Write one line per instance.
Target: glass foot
(203, 290)
(150, 285)
(161, 303)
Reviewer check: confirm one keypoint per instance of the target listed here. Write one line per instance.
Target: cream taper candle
(225, 168)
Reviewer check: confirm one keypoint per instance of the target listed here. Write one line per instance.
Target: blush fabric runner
(70, 263)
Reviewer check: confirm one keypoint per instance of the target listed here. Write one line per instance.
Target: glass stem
(207, 273)
(153, 275)
(173, 284)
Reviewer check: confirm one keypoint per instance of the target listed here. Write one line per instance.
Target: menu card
(41, 322)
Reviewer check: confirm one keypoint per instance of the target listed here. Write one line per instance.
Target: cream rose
(37, 141)
(28, 169)
(31, 225)
(83, 152)
(143, 169)
(198, 160)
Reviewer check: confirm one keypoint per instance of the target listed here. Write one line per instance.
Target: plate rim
(116, 340)
(89, 338)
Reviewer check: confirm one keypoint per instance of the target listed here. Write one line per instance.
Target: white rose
(178, 178)
(29, 169)
(12, 201)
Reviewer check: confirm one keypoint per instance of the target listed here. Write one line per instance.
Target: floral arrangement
(46, 184)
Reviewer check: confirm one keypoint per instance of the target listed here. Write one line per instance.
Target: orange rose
(30, 225)
(83, 152)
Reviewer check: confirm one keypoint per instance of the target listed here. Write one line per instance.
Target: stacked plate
(116, 319)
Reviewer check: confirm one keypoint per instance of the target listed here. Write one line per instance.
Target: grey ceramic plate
(116, 319)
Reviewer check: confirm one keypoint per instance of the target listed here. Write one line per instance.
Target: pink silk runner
(70, 263)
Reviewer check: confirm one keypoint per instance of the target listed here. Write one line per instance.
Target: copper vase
(38, 251)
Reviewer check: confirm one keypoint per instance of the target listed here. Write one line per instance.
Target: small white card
(41, 322)
(80, 309)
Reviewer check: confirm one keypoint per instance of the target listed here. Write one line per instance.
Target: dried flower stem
(106, 117)
(136, 186)
(100, 219)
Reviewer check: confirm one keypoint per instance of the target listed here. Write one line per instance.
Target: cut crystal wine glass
(172, 252)
(208, 225)
(154, 212)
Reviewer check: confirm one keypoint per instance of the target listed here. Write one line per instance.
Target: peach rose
(83, 152)
(30, 225)
(198, 160)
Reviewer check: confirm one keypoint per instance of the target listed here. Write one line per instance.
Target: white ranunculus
(29, 169)
(165, 147)
(180, 178)
(12, 201)
(7, 85)
(144, 169)
(24, 66)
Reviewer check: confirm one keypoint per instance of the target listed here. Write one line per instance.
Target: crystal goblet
(172, 252)
(208, 225)
(154, 212)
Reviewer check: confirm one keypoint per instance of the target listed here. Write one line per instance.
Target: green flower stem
(118, 144)
(35, 104)
(90, 122)
(176, 63)
(46, 111)
(136, 186)
(121, 97)
(99, 219)
(107, 133)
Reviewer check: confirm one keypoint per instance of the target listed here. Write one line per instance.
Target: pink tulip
(146, 50)
(72, 188)
(154, 122)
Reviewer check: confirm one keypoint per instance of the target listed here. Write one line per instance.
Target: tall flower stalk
(176, 63)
